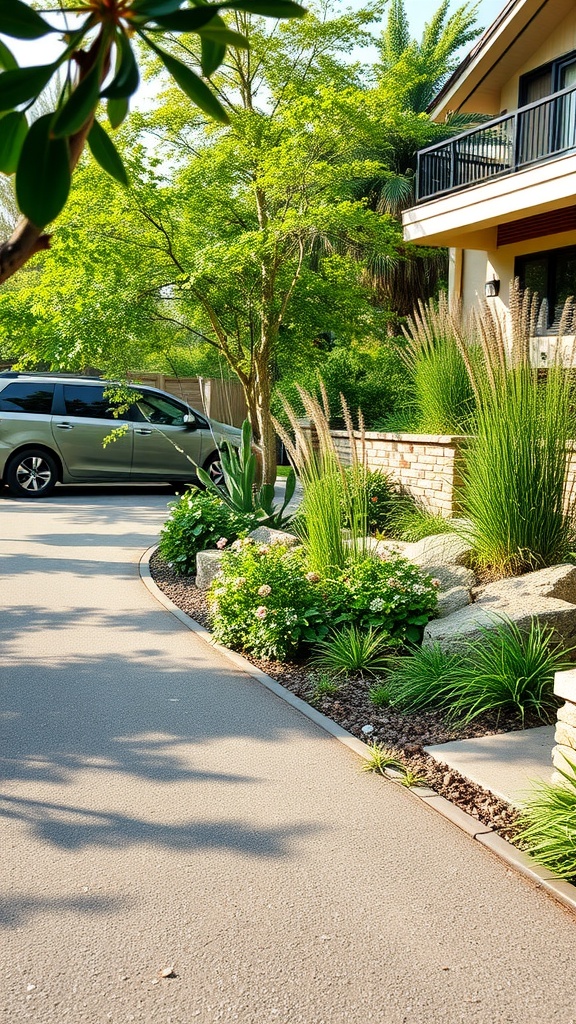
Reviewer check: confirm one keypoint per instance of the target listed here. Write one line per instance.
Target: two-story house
(502, 197)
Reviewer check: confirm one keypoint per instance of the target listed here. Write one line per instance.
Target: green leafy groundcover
(268, 602)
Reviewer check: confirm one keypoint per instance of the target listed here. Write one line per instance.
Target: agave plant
(240, 490)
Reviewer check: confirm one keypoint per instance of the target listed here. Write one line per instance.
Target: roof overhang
(507, 45)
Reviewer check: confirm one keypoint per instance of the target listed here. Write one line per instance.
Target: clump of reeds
(330, 493)
(433, 353)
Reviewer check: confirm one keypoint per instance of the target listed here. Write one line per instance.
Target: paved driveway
(161, 809)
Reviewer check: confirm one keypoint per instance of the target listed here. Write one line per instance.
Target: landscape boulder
(470, 623)
(208, 564)
(439, 549)
(559, 581)
(266, 535)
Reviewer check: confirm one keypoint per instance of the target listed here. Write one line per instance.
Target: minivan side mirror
(190, 422)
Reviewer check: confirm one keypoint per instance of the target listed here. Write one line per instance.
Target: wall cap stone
(565, 685)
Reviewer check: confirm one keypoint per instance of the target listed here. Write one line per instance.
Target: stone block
(208, 564)
(266, 535)
(567, 713)
(440, 549)
(563, 758)
(470, 623)
(565, 735)
(450, 601)
(559, 582)
(565, 685)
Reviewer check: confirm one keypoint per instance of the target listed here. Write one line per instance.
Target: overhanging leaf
(127, 77)
(267, 8)
(7, 60)
(151, 8)
(13, 128)
(192, 85)
(79, 106)
(43, 174)
(117, 111)
(212, 55)
(22, 84)
(105, 153)
(224, 35)
(21, 22)
(189, 20)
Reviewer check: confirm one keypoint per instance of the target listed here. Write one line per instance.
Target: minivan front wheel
(32, 474)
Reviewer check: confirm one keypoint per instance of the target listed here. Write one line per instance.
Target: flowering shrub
(394, 596)
(200, 520)
(264, 600)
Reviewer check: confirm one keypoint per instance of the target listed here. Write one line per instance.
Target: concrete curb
(544, 879)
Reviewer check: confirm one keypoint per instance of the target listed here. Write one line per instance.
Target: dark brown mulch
(352, 708)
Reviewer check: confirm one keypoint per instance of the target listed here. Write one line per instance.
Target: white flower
(377, 605)
(264, 590)
(312, 577)
(261, 612)
(239, 581)
(222, 543)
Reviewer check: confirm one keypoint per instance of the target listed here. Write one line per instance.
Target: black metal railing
(532, 134)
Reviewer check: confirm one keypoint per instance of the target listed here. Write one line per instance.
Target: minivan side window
(27, 396)
(158, 409)
(87, 400)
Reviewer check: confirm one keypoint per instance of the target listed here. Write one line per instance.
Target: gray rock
(558, 581)
(469, 623)
(451, 576)
(266, 535)
(208, 563)
(567, 713)
(450, 601)
(440, 549)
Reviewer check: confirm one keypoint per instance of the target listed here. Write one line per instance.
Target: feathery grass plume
(434, 356)
(515, 484)
(328, 489)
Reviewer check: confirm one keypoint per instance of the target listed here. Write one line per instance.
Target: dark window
(547, 79)
(27, 396)
(552, 275)
(158, 409)
(87, 400)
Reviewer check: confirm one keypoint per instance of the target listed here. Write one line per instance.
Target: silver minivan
(61, 428)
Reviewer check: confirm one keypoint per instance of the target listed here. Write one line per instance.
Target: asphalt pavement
(178, 844)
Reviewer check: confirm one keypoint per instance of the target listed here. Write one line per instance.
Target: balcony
(531, 135)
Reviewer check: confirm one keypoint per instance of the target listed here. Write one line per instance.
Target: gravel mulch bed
(352, 708)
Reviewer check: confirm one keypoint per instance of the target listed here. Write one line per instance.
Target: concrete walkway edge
(545, 879)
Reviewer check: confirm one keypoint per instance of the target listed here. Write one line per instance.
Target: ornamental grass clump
(515, 488)
(548, 824)
(350, 651)
(332, 493)
(507, 670)
(443, 395)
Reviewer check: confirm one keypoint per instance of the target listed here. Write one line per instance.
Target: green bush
(196, 522)
(266, 602)
(392, 596)
(548, 824)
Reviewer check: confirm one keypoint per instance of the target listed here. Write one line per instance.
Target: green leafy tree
(100, 66)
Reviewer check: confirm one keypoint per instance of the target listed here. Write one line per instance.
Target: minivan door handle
(143, 430)
(65, 426)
